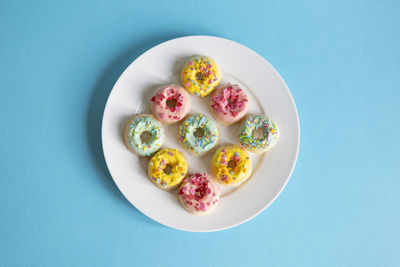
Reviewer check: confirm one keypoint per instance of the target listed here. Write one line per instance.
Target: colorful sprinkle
(190, 141)
(139, 125)
(258, 144)
(158, 163)
(199, 193)
(231, 174)
(230, 103)
(209, 75)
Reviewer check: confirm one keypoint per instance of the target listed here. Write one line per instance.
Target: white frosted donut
(199, 194)
(229, 103)
(170, 104)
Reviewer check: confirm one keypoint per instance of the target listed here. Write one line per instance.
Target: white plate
(268, 94)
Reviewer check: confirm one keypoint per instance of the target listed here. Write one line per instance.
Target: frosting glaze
(198, 144)
(134, 130)
(231, 165)
(170, 104)
(200, 75)
(167, 168)
(229, 103)
(266, 141)
(199, 194)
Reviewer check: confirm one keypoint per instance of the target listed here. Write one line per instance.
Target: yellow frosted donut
(231, 165)
(200, 75)
(167, 168)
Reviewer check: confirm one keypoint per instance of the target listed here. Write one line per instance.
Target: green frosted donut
(144, 135)
(198, 134)
(269, 133)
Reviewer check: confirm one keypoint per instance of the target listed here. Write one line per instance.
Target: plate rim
(291, 100)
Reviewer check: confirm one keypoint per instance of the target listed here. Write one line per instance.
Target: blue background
(58, 63)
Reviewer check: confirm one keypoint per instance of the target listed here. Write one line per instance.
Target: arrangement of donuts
(199, 193)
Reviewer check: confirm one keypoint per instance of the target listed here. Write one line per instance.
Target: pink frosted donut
(229, 104)
(199, 194)
(170, 104)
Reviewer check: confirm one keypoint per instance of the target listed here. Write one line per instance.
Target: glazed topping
(167, 167)
(258, 133)
(198, 193)
(145, 135)
(200, 75)
(198, 134)
(170, 103)
(231, 164)
(229, 100)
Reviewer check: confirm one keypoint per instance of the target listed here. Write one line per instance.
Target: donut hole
(199, 133)
(171, 103)
(200, 76)
(231, 164)
(145, 137)
(200, 193)
(258, 133)
(168, 169)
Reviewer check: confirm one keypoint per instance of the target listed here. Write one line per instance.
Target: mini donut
(143, 135)
(167, 168)
(229, 104)
(231, 165)
(198, 134)
(170, 104)
(266, 132)
(199, 194)
(200, 75)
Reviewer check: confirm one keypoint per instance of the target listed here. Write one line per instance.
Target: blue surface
(58, 63)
